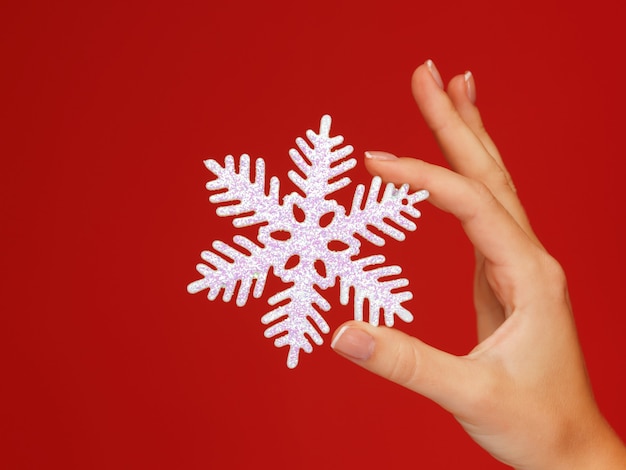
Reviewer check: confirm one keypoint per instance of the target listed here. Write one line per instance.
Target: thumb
(444, 378)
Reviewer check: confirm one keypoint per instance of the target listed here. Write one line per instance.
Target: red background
(107, 112)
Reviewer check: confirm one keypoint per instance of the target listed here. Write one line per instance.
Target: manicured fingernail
(471, 86)
(354, 343)
(378, 155)
(434, 72)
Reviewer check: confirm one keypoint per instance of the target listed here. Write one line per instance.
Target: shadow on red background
(107, 114)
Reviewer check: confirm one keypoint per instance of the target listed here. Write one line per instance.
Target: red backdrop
(107, 112)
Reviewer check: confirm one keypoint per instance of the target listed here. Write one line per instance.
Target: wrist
(602, 450)
(586, 446)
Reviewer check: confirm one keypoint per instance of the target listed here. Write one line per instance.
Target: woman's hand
(522, 393)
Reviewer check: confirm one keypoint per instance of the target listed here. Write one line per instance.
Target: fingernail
(378, 155)
(354, 343)
(434, 72)
(471, 86)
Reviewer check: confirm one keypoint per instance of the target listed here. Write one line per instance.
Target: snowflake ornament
(308, 240)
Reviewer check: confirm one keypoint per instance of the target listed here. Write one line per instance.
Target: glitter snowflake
(308, 240)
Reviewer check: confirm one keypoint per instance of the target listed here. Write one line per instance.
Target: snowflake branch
(318, 172)
(250, 195)
(224, 275)
(367, 285)
(394, 205)
(301, 316)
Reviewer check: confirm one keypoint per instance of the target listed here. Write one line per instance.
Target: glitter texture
(311, 253)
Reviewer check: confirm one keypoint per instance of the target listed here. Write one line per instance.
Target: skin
(522, 393)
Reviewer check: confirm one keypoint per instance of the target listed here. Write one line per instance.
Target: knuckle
(406, 369)
(499, 178)
(480, 198)
(482, 190)
(509, 181)
(483, 194)
(445, 121)
(494, 177)
(554, 274)
(548, 278)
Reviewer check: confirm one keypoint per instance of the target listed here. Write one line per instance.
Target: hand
(522, 393)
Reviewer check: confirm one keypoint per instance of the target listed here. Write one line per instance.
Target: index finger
(489, 226)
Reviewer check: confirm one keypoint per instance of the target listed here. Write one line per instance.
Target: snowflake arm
(301, 316)
(221, 274)
(394, 205)
(317, 170)
(250, 195)
(367, 285)
(299, 321)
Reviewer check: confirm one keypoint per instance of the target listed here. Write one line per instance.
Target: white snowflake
(308, 241)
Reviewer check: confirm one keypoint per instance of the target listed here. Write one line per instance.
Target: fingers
(462, 148)
(458, 128)
(409, 362)
(489, 226)
(459, 93)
